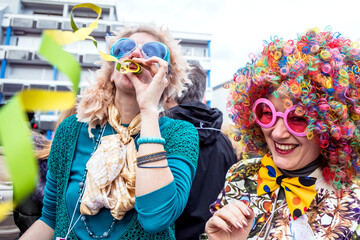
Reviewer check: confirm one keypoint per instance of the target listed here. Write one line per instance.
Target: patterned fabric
(331, 215)
(110, 180)
(299, 191)
(60, 160)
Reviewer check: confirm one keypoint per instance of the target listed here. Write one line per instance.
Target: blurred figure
(8, 229)
(29, 211)
(215, 157)
(5, 181)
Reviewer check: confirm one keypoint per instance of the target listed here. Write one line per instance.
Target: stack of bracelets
(152, 157)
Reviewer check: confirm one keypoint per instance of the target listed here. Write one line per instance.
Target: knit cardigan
(60, 161)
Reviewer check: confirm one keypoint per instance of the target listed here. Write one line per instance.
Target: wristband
(151, 156)
(154, 166)
(146, 140)
(154, 159)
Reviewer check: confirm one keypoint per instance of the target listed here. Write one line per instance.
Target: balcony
(47, 24)
(17, 54)
(9, 87)
(21, 22)
(32, 57)
(37, 23)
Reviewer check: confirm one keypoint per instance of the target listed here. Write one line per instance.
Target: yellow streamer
(83, 33)
(15, 136)
(5, 209)
(126, 67)
(45, 100)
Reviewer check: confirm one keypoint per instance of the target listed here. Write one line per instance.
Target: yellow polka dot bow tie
(299, 191)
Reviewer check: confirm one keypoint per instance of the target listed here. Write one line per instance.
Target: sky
(238, 27)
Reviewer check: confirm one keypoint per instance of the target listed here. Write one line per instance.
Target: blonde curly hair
(93, 103)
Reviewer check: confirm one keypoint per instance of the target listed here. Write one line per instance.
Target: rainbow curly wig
(320, 73)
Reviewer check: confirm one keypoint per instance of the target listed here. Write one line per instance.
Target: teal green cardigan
(181, 142)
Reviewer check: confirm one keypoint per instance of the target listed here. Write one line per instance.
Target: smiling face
(122, 81)
(289, 152)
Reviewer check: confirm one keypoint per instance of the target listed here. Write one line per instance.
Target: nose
(137, 53)
(279, 129)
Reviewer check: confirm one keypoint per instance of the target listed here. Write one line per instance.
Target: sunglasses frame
(167, 51)
(275, 115)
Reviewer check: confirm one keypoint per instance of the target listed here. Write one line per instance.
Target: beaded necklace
(106, 234)
(81, 192)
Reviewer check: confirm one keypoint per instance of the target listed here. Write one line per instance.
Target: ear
(166, 102)
(169, 102)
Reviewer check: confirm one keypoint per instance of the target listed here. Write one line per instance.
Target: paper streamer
(5, 208)
(18, 152)
(15, 135)
(125, 68)
(84, 33)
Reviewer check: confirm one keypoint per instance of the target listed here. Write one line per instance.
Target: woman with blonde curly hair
(296, 110)
(117, 170)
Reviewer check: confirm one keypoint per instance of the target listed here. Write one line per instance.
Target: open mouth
(285, 148)
(130, 66)
(136, 69)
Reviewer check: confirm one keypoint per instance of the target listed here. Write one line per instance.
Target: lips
(285, 148)
(132, 66)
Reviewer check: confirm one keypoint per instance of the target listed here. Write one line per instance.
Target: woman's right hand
(148, 94)
(233, 221)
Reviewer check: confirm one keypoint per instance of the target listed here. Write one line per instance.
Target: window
(200, 52)
(187, 51)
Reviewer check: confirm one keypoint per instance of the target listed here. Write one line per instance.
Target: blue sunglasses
(125, 46)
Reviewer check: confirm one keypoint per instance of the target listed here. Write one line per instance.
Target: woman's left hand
(148, 94)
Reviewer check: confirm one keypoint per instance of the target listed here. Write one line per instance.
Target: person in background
(296, 107)
(215, 157)
(117, 170)
(29, 210)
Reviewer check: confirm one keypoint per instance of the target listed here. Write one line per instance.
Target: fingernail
(238, 225)
(247, 212)
(245, 223)
(228, 230)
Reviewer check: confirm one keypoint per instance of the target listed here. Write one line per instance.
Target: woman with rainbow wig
(296, 114)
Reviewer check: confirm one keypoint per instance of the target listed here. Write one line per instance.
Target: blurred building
(22, 22)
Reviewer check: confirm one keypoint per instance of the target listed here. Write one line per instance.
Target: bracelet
(157, 140)
(154, 166)
(146, 156)
(155, 159)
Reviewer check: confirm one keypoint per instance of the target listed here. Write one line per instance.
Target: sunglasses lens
(297, 123)
(263, 113)
(156, 49)
(122, 47)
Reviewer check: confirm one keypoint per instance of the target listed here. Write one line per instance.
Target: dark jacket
(216, 156)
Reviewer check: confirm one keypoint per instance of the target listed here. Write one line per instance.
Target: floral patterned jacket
(332, 214)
